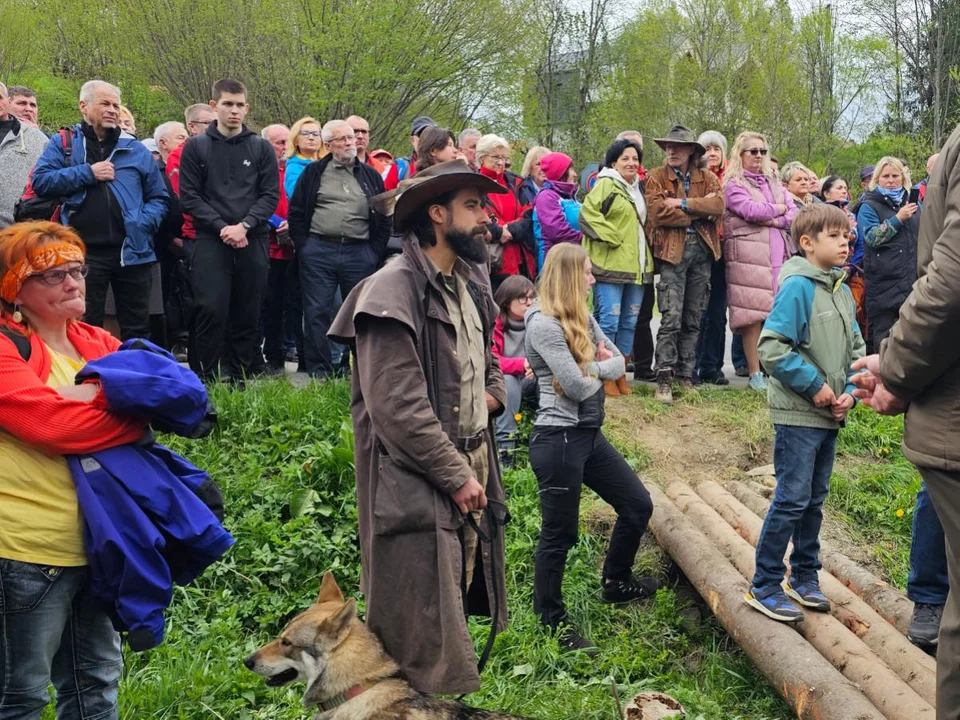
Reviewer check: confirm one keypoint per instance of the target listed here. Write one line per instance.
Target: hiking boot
(618, 592)
(757, 382)
(686, 384)
(664, 393)
(179, 353)
(924, 627)
(645, 375)
(741, 371)
(570, 640)
(776, 606)
(808, 594)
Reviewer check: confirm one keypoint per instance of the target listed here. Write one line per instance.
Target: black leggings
(565, 459)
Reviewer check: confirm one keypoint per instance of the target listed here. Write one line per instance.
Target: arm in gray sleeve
(612, 368)
(546, 337)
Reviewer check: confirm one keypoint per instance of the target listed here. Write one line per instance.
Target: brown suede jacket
(667, 226)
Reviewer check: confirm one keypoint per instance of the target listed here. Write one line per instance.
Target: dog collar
(347, 695)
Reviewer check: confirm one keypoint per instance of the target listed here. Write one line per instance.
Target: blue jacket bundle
(151, 518)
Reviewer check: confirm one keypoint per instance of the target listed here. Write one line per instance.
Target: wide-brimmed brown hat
(680, 135)
(434, 181)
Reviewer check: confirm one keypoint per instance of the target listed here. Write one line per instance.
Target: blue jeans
(52, 629)
(803, 460)
(713, 325)
(928, 582)
(737, 354)
(616, 308)
(326, 267)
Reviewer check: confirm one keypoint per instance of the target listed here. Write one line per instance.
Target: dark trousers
(643, 346)
(713, 325)
(928, 581)
(324, 267)
(880, 324)
(944, 489)
(282, 310)
(228, 287)
(737, 354)
(564, 460)
(177, 297)
(131, 292)
(803, 460)
(682, 295)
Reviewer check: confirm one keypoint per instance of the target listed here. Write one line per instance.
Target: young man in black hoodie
(229, 183)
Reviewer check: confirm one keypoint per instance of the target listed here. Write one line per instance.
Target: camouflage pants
(682, 294)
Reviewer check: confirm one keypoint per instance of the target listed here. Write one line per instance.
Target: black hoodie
(224, 181)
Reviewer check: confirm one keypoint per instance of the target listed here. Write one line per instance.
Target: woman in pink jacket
(756, 228)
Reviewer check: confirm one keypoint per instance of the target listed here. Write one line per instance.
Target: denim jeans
(564, 460)
(928, 582)
(737, 354)
(52, 630)
(517, 389)
(803, 460)
(713, 325)
(617, 308)
(324, 267)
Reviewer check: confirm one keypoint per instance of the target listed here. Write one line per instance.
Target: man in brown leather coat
(425, 385)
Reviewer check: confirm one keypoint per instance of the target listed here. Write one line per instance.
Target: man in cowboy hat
(425, 385)
(684, 205)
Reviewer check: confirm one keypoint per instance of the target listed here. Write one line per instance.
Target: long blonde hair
(562, 272)
(293, 144)
(898, 164)
(735, 165)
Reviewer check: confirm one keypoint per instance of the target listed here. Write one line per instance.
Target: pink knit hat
(555, 166)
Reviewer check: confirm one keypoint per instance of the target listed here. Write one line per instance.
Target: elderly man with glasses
(339, 238)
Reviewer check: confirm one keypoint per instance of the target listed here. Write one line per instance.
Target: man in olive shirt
(339, 238)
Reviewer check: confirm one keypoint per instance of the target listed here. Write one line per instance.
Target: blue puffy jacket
(137, 186)
(150, 517)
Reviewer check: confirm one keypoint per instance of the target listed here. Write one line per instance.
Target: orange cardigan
(38, 415)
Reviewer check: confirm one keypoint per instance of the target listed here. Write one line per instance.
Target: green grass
(283, 458)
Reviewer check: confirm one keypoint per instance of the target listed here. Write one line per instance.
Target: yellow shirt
(40, 521)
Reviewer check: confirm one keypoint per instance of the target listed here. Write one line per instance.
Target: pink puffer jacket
(754, 253)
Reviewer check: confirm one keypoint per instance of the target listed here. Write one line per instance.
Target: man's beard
(346, 157)
(471, 245)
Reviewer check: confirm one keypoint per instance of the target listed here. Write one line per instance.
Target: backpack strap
(20, 341)
(66, 139)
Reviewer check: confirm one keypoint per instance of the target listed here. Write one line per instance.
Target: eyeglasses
(310, 133)
(757, 151)
(499, 159)
(343, 138)
(56, 277)
(527, 299)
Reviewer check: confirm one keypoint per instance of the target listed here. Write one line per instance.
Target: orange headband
(39, 261)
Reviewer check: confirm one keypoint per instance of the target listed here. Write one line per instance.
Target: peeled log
(891, 695)
(889, 602)
(916, 668)
(811, 685)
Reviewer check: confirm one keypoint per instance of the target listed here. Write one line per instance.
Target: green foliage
(283, 458)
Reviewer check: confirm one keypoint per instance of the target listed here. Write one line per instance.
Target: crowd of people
(451, 290)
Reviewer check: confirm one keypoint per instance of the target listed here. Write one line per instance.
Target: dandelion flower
(900, 512)
(518, 417)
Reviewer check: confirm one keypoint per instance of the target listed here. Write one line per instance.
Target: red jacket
(506, 208)
(38, 415)
(278, 251)
(173, 172)
(509, 365)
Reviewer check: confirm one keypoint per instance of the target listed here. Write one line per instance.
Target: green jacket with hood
(810, 338)
(611, 220)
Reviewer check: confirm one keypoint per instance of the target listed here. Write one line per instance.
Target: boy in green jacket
(808, 344)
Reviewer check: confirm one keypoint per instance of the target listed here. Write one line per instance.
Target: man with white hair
(467, 142)
(20, 146)
(339, 237)
(115, 198)
(278, 136)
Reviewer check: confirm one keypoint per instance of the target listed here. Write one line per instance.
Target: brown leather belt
(469, 444)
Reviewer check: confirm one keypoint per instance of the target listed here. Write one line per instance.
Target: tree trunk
(813, 688)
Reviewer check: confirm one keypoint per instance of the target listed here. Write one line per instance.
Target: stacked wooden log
(852, 663)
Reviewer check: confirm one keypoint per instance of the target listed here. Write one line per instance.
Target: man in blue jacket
(114, 196)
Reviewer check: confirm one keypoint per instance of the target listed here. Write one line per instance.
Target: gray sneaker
(924, 629)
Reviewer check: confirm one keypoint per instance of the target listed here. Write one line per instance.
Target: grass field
(283, 458)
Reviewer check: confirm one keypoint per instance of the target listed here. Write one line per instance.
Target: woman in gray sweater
(571, 357)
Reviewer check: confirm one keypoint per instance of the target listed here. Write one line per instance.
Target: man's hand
(842, 406)
(824, 397)
(234, 235)
(103, 170)
(283, 227)
(84, 393)
(602, 352)
(871, 390)
(672, 202)
(492, 403)
(470, 496)
(507, 236)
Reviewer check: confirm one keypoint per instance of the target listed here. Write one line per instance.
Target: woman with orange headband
(52, 630)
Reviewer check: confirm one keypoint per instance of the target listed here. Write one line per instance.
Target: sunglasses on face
(757, 151)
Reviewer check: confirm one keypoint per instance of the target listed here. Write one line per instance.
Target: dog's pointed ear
(329, 590)
(340, 623)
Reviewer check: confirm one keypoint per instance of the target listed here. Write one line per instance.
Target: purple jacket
(754, 253)
(554, 225)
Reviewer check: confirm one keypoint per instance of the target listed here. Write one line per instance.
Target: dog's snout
(250, 661)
